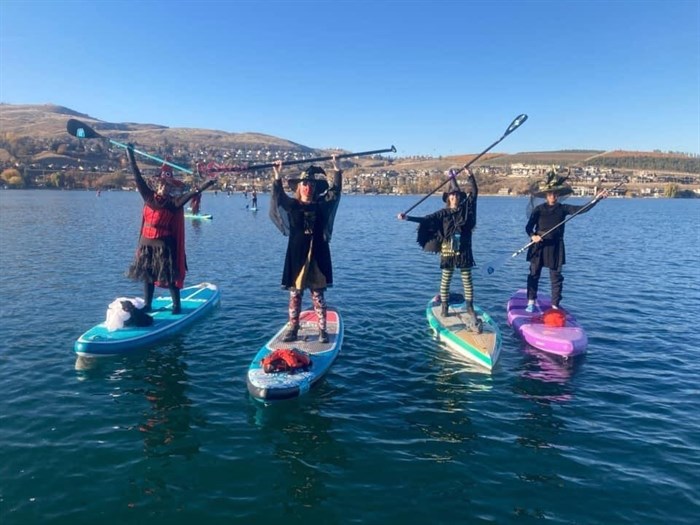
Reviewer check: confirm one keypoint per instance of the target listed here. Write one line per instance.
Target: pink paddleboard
(567, 341)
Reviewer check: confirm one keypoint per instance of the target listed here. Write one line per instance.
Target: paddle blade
(81, 130)
(516, 123)
(494, 266)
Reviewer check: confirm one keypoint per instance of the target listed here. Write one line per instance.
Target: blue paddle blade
(81, 130)
(494, 266)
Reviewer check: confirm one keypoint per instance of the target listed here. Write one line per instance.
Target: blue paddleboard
(275, 386)
(205, 216)
(196, 302)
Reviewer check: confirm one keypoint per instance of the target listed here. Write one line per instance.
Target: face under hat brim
(559, 191)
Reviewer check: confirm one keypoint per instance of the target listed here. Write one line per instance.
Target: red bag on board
(285, 360)
(556, 318)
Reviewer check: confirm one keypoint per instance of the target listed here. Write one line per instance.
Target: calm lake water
(402, 430)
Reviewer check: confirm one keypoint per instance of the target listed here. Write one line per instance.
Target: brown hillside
(48, 121)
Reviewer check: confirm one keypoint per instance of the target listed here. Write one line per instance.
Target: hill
(33, 139)
(48, 122)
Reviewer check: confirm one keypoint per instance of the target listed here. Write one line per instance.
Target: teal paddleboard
(196, 302)
(205, 216)
(482, 346)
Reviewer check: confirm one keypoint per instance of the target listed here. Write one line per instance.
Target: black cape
(309, 227)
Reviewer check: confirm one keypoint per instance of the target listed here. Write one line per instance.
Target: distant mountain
(48, 121)
(36, 135)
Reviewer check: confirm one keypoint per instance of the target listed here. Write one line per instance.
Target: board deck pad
(196, 301)
(567, 341)
(483, 348)
(286, 385)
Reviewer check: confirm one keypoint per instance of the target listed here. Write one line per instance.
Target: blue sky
(432, 78)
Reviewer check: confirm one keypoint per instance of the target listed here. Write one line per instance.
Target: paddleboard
(204, 216)
(567, 341)
(252, 209)
(196, 301)
(286, 385)
(483, 348)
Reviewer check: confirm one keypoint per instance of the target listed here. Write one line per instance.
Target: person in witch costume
(307, 219)
(549, 251)
(160, 257)
(196, 203)
(449, 232)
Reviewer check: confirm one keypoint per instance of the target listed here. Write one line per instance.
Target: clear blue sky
(434, 77)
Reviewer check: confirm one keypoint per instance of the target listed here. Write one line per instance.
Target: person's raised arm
(336, 188)
(279, 197)
(184, 198)
(471, 184)
(141, 184)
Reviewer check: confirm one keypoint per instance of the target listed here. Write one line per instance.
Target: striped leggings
(466, 283)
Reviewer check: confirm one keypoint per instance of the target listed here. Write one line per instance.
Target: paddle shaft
(513, 126)
(492, 267)
(216, 169)
(152, 157)
(81, 130)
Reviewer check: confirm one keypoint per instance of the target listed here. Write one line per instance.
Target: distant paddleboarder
(254, 200)
(307, 219)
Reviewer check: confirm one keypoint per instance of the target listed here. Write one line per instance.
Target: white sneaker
(531, 308)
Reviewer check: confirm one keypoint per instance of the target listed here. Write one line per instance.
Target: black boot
(291, 334)
(175, 295)
(322, 336)
(148, 289)
(444, 309)
(474, 324)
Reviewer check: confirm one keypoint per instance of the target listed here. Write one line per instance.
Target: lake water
(401, 430)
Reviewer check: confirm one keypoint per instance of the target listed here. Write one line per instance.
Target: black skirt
(154, 262)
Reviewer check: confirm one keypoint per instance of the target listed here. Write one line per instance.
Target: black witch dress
(309, 227)
(449, 231)
(550, 251)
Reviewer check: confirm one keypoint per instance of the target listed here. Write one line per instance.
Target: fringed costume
(449, 232)
(160, 258)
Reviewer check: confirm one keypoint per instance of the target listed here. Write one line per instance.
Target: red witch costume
(160, 257)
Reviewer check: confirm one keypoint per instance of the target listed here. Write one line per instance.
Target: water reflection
(166, 426)
(547, 377)
(545, 380)
(307, 455)
(159, 376)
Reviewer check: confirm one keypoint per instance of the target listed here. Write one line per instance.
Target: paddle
(490, 268)
(82, 131)
(517, 122)
(217, 168)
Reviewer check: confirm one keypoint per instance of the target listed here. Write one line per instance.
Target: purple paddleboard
(567, 341)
